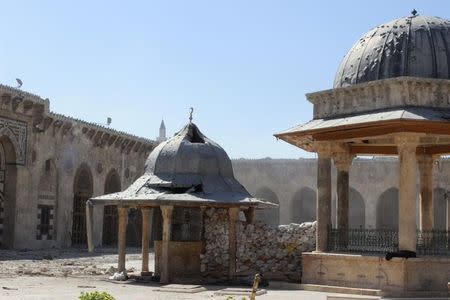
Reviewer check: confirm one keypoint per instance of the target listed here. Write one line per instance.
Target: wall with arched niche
(270, 215)
(82, 190)
(110, 216)
(304, 205)
(387, 210)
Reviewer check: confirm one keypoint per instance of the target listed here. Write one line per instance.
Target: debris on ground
(119, 276)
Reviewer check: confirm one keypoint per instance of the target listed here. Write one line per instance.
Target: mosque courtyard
(65, 274)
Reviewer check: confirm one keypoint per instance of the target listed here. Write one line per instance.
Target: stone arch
(304, 205)
(271, 215)
(18, 148)
(8, 182)
(387, 209)
(82, 190)
(110, 216)
(440, 209)
(357, 211)
(46, 202)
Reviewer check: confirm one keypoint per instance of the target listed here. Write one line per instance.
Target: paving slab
(180, 288)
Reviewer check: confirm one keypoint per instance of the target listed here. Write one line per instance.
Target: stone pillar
(342, 162)
(426, 212)
(407, 192)
(122, 238)
(89, 225)
(250, 215)
(147, 216)
(323, 198)
(447, 195)
(233, 214)
(166, 211)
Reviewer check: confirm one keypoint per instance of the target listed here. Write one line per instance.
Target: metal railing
(435, 242)
(380, 241)
(362, 240)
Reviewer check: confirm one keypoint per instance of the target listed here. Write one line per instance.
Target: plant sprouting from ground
(96, 296)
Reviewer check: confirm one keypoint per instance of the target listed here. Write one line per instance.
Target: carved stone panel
(17, 133)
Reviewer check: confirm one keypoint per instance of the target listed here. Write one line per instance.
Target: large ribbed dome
(416, 46)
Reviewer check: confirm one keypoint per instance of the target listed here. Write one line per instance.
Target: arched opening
(8, 173)
(271, 215)
(47, 199)
(387, 210)
(440, 209)
(110, 216)
(304, 205)
(82, 191)
(357, 211)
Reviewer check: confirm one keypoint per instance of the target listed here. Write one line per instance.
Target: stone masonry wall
(274, 251)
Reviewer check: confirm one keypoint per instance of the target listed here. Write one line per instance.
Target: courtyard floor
(64, 274)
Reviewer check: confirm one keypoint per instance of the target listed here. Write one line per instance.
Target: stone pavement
(53, 288)
(57, 288)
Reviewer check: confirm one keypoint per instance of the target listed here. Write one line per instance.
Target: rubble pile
(274, 251)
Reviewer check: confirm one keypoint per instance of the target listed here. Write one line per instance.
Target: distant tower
(162, 132)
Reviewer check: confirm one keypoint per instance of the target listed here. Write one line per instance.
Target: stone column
(122, 238)
(323, 198)
(342, 162)
(147, 216)
(250, 215)
(166, 211)
(447, 195)
(89, 225)
(426, 212)
(233, 214)
(407, 192)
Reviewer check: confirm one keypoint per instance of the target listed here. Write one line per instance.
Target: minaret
(162, 132)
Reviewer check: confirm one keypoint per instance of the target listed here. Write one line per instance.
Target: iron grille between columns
(434, 242)
(362, 240)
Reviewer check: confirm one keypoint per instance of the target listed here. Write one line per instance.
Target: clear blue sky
(243, 65)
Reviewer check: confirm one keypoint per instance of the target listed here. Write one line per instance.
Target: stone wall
(50, 164)
(274, 251)
(292, 184)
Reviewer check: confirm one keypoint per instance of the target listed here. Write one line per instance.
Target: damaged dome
(417, 46)
(188, 159)
(187, 169)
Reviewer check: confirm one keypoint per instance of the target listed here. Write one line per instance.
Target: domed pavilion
(183, 176)
(391, 96)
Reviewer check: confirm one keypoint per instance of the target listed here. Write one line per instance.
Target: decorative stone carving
(16, 131)
(381, 94)
(99, 168)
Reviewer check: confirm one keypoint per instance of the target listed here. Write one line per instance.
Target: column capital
(343, 160)
(323, 149)
(233, 213)
(407, 142)
(122, 211)
(166, 210)
(146, 209)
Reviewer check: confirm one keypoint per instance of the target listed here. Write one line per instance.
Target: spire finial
(414, 12)
(191, 110)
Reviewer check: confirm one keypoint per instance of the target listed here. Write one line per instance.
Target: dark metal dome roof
(416, 46)
(187, 158)
(187, 169)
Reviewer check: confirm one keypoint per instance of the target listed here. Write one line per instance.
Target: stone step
(341, 290)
